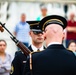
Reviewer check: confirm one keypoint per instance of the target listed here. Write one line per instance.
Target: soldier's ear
(64, 34)
(30, 33)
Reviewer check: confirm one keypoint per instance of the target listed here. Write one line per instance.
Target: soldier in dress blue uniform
(37, 44)
(55, 59)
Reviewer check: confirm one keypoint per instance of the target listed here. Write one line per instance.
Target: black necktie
(38, 50)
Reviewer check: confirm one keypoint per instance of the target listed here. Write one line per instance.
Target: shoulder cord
(31, 63)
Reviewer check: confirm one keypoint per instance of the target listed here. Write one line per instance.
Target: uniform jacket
(19, 62)
(54, 60)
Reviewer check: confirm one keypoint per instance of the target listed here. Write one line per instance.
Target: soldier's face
(37, 38)
(2, 46)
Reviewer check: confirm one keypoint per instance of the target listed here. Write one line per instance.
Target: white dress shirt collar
(53, 43)
(35, 49)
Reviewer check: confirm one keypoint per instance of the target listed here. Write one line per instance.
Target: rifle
(24, 49)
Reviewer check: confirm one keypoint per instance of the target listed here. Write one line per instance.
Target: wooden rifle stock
(24, 49)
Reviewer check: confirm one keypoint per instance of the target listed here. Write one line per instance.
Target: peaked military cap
(53, 19)
(34, 26)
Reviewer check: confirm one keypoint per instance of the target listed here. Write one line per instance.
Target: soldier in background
(37, 45)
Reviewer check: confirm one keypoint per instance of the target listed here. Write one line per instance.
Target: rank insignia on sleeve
(12, 69)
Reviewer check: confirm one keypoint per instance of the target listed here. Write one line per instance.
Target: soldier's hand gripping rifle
(17, 42)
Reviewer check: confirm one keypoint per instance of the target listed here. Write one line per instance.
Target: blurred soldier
(55, 59)
(37, 44)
